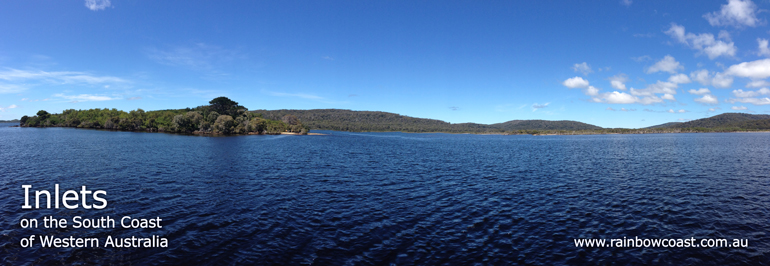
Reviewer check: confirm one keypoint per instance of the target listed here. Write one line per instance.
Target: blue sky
(609, 63)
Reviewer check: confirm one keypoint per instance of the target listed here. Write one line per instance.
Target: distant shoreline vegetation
(370, 121)
(225, 117)
(221, 117)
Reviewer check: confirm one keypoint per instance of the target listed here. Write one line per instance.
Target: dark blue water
(395, 198)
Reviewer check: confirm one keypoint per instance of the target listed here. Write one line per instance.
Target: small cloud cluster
(537, 106)
(667, 64)
(642, 96)
(706, 78)
(621, 109)
(2, 109)
(35, 100)
(582, 68)
(736, 13)
(704, 42)
(763, 50)
(759, 69)
(84, 97)
(60, 77)
(618, 82)
(707, 98)
(96, 5)
(751, 97)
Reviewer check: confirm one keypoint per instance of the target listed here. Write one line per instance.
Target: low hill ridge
(348, 120)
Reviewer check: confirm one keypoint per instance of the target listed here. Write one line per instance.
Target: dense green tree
(224, 124)
(224, 105)
(43, 115)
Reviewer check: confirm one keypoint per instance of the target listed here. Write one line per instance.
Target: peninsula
(221, 117)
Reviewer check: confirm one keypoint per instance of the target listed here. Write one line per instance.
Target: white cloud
(536, 106)
(701, 76)
(714, 109)
(724, 35)
(758, 69)
(748, 94)
(662, 87)
(619, 98)
(739, 108)
(707, 99)
(616, 97)
(757, 84)
(621, 109)
(62, 77)
(719, 80)
(667, 64)
(722, 80)
(736, 13)
(576, 82)
(2, 109)
(97, 5)
(704, 42)
(763, 50)
(582, 68)
(11, 88)
(679, 78)
(85, 97)
(754, 101)
(668, 97)
(700, 91)
(671, 111)
(619, 81)
(591, 91)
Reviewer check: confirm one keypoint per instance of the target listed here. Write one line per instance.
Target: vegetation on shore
(221, 116)
(224, 116)
(368, 121)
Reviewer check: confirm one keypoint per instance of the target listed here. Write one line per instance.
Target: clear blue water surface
(394, 198)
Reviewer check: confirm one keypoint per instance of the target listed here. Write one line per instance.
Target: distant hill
(544, 125)
(9, 121)
(666, 125)
(347, 120)
(729, 120)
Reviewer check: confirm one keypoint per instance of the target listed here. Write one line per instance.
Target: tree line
(221, 116)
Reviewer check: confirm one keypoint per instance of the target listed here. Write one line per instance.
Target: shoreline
(522, 132)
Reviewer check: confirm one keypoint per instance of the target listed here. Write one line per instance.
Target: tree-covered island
(221, 117)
